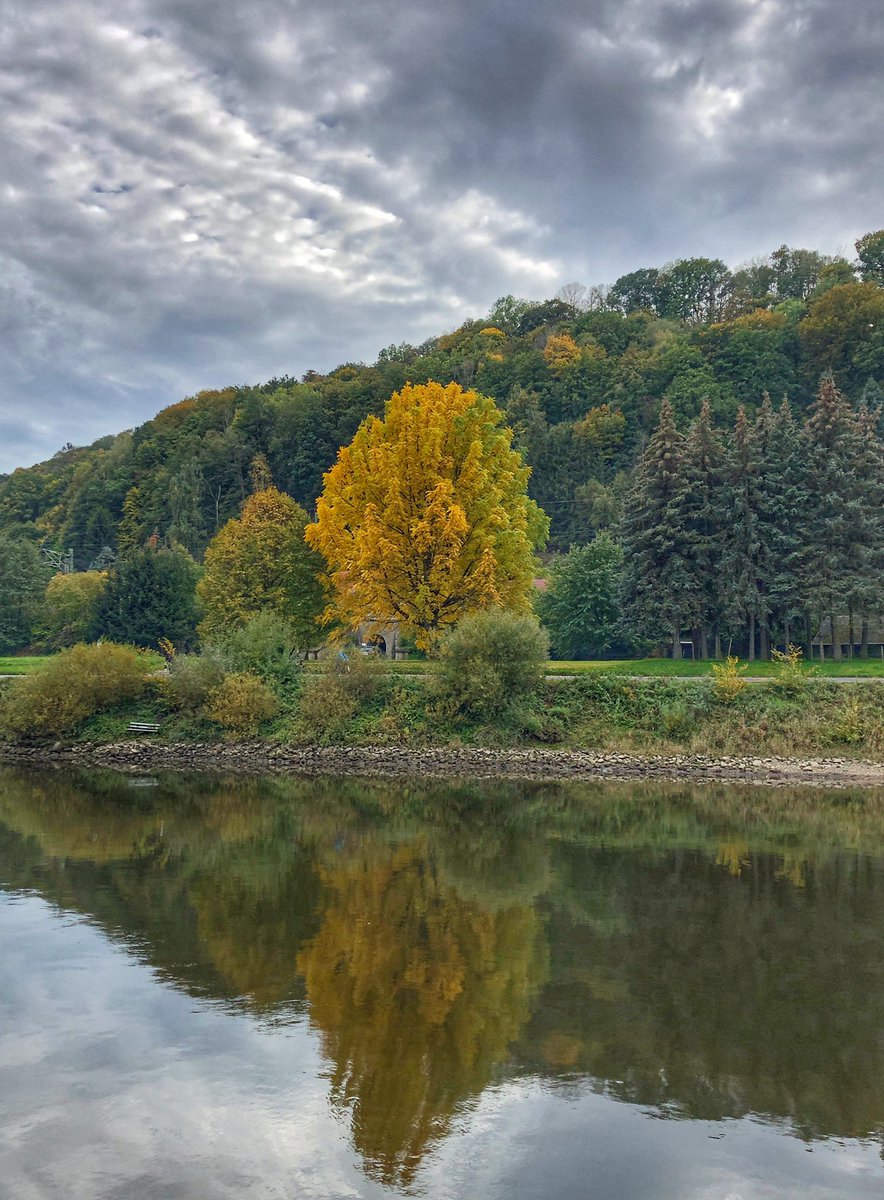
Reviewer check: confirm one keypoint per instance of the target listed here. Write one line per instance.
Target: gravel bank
(400, 761)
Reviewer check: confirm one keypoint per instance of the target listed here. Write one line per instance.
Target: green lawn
(20, 665)
(870, 668)
(686, 668)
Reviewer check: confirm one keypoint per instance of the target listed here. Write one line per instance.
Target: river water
(337, 988)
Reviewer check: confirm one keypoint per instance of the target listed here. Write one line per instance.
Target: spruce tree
(865, 595)
(704, 516)
(742, 565)
(661, 592)
(830, 443)
(782, 517)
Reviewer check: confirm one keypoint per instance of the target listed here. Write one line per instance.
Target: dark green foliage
(661, 592)
(23, 578)
(151, 594)
(581, 605)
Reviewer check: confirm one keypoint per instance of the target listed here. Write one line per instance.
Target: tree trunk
(751, 655)
(676, 640)
(765, 640)
(704, 642)
(864, 644)
(836, 644)
(808, 637)
(850, 630)
(717, 642)
(786, 635)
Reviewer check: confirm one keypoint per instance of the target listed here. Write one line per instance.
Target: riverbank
(250, 757)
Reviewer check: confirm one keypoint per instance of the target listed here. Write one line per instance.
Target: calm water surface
(285, 988)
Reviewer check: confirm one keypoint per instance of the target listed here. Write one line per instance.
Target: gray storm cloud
(195, 194)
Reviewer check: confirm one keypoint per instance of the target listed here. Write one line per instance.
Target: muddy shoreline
(448, 762)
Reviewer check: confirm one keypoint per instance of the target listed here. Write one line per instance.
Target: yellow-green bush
(728, 681)
(241, 703)
(71, 687)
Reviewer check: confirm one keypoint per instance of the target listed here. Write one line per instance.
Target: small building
(824, 643)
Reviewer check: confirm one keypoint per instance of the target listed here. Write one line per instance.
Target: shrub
(329, 701)
(267, 645)
(73, 686)
(491, 663)
(792, 676)
(241, 703)
(728, 681)
(192, 677)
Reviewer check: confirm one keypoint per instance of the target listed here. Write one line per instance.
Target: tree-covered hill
(581, 378)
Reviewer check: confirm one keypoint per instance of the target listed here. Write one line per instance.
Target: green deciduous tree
(260, 562)
(581, 605)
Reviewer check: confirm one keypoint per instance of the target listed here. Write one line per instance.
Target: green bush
(491, 663)
(71, 687)
(191, 679)
(266, 646)
(241, 703)
(329, 702)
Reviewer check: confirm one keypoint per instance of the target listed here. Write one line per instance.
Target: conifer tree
(661, 591)
(704, 515)
(151, 594)
(830, 445)
(782, 513)
(866, 576)
(741, 559)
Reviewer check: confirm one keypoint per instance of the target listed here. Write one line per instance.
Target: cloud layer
(194, 194)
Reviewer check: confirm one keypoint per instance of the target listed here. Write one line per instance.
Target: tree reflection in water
(709, 953)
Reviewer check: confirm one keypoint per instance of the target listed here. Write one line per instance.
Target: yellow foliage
(561, 352)
(241, 703)
(418, 993)
(728, 679)
(425, 516)
(493, 331)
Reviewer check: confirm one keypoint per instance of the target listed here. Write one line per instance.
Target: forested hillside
(581, 378)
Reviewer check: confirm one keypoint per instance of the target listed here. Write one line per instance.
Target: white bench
(144, 727)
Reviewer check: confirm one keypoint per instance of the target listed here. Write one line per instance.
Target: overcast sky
(195, 193)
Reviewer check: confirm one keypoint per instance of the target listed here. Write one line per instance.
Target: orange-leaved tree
(259, 562)
(426, 517)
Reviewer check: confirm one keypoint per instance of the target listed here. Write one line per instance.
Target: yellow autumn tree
(260, 562)
(426, 517)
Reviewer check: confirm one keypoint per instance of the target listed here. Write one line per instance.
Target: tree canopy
(425, 517)
(260, 562)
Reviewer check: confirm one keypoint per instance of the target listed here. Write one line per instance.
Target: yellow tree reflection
(418, 994)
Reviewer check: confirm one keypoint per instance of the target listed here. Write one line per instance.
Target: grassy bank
(602, 711)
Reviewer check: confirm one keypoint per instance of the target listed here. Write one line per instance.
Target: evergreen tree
(660, 591)
(741, 560)
(704, 509)
(830, 446)
(151, 594)
(782, 513)
(23, 579)
(865, 593)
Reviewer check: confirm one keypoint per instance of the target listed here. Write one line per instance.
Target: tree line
(737, 538)
(761, 535)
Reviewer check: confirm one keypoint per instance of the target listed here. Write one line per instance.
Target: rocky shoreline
(448, 762)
